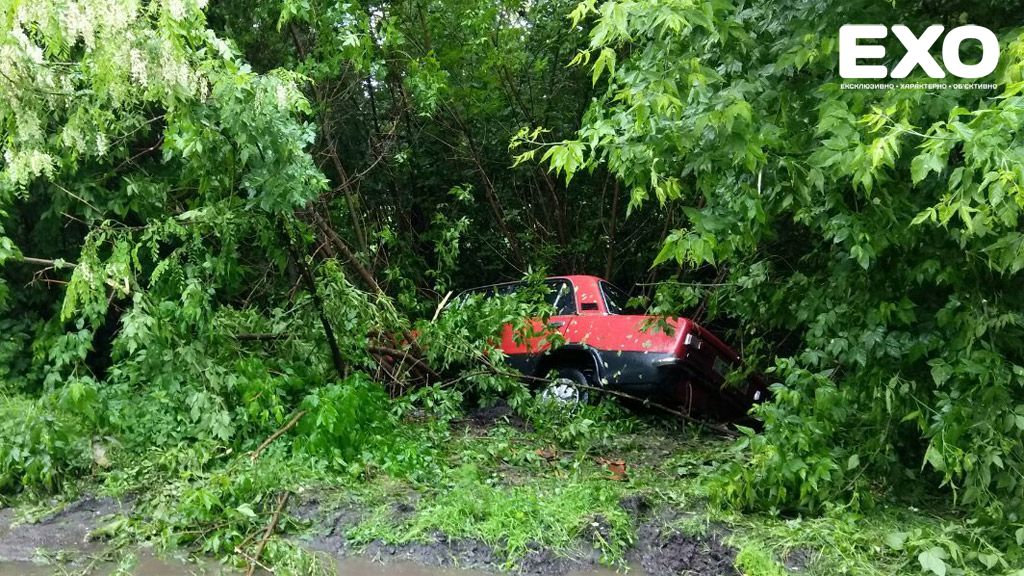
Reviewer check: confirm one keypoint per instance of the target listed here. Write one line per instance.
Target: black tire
(569, 385)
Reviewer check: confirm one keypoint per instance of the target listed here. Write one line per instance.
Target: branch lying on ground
(282, 499)
(280, 431)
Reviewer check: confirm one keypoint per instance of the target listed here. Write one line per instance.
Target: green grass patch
(551, 512)
(515, 489)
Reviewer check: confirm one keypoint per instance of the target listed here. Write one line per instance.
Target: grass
(516, 489)
(552, 512)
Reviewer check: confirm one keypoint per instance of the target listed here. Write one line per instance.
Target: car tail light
(692, 341)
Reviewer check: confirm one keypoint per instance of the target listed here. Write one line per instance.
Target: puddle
(148, 565)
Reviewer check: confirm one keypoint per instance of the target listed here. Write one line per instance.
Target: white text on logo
(918, 51)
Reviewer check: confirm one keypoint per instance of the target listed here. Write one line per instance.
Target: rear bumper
(668, 379)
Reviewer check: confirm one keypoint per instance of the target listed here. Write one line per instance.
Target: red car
(606, 344)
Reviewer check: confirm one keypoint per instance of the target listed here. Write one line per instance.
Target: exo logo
(917, 51)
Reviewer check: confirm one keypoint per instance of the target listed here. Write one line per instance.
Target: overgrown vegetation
(226, 233)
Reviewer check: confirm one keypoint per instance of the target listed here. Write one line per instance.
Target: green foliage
(189, 195)
(874, 232)
(42, 445)
(212, 503)
(469, 330)
(512, 519)
(345, 420)
(585, 427)
(755, 561)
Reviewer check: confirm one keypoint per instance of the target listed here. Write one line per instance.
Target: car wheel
(567, 387)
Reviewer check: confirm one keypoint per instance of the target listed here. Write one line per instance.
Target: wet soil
(65, 536)
(486, 417)
(659, 549)
(65, 533)
(149, 565)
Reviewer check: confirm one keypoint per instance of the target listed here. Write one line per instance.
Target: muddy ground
(65, 536)
(62, 534)
(658, 549)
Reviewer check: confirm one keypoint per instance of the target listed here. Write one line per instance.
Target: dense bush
(345, 419)
(196, 248)
(42, 445)
(873, 235)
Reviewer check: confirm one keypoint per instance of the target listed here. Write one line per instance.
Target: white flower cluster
(176, 8)
(28, 126)
(137, 63)
(73, 138)
(281, 95)
(18, 56)
(90, 21)
(155, 62)
(23, 166)
(78, 21)
(179, 9)
(176, 71)
(120, 14)
(28, 48)
(101, 144)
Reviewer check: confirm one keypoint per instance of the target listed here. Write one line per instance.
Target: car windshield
(617, 301)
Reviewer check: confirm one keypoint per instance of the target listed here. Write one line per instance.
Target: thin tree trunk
(344, 184)
(307, 276)
(489, 191)
(610, 258)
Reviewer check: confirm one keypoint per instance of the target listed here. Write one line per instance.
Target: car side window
(617, 301)
(558, 294)
(460, 298)
(561, 297)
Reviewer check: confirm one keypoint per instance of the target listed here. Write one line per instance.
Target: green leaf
(896, 540)
(934, 457)
(246, 510)
(933, 560)
(604, 60)
(923, 164)
(989, 560)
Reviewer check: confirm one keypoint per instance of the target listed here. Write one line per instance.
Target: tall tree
(875, 233)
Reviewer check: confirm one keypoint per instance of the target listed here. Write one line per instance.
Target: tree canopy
(211, 216)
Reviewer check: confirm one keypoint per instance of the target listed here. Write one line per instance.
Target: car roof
(574, 278)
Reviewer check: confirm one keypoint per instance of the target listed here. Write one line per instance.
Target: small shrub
(39, 447)
(345, 419)
(756, 561)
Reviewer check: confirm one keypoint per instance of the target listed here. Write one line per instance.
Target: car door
(562, 298)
